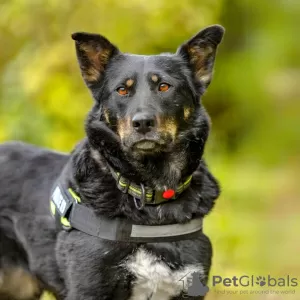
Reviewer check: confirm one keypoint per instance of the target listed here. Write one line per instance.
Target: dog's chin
(147, 147)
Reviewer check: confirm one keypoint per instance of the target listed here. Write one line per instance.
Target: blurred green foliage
(253, 102)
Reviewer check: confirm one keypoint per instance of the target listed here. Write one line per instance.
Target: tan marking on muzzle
(167, 125)
(18, 284)
(123, 127)
(106, 115)
(186, 112)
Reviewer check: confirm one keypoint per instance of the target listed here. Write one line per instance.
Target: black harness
(70, 213)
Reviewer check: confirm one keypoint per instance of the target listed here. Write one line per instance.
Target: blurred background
(253, 101)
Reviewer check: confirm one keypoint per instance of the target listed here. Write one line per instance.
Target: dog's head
(149, 102)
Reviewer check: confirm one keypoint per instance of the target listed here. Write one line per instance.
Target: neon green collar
(146, 196)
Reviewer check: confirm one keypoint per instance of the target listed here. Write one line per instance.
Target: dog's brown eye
(122, 91)
(163, 87)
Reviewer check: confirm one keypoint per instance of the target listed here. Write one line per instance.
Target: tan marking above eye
(163, 87)
(123, 127)
(154, 78)
(129, 83)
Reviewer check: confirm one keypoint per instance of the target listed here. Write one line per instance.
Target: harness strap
(70, 213)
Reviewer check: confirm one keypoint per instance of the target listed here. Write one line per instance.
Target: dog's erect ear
(93, 52)
(200, 51)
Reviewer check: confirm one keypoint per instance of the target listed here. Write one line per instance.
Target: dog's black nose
(143, 122)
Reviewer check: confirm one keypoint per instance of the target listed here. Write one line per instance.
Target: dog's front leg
(38, 235)
(92, 268)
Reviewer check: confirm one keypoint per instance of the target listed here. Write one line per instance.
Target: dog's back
(26, 177)
(28, 172)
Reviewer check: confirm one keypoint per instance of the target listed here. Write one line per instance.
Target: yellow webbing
(46, 295)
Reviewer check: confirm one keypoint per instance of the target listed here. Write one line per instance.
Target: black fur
(74, 265)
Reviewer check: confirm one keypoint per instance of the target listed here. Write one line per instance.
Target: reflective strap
(166, 230)
(84, 219)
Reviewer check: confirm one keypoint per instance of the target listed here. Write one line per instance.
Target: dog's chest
(154, 279)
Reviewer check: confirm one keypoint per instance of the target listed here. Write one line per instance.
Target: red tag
(167, 194)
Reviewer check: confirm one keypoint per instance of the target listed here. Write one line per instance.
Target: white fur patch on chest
(154, 279)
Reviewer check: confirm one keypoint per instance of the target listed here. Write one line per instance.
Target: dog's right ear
(200, 52)
(93, 52)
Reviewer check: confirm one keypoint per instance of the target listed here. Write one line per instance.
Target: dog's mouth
(147, 145)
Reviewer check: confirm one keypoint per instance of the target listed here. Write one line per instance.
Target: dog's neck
(89, 175)
(157, 172)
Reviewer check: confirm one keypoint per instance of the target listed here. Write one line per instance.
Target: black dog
(140, 166)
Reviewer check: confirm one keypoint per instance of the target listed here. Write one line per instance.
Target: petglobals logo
(254, 281)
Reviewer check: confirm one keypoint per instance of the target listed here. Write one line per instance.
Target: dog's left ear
(93, 52)
(200, 52)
